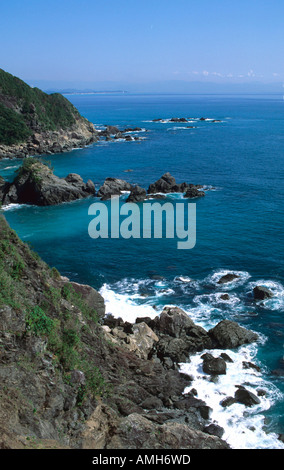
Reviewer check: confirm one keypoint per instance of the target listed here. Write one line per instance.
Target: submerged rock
(225, 297)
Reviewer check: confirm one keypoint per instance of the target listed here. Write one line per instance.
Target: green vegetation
(59, 314)
(33, 167)
(13, 128)
(11, 268)
(24, 109)
(38, 322)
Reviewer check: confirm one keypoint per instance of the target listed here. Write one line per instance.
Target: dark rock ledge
(166, 341)
(164, 185)
(36, 184)
(80, 135)
(112, 133)
(183, 119)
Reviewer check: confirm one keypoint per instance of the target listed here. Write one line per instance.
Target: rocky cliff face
(33, 122)
(69, 378)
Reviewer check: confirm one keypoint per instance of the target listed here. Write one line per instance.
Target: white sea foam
(175, 128)
(217, 299)
(135, 132)
(244, 427)
(10, 167)
(124, 305)
(183, 279)
(12, 207)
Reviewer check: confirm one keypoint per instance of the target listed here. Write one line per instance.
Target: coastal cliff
(72, 377)
(33, 122)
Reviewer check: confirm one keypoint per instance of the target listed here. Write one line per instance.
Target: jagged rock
(99, 427)
(214, 365)
(246, 397)
(214, 430)
(162, 185)
(45, 123)
(137, 194)
(189, 402)
(228, 401)
(262, 293)
(228, 278)
(228, 334)
(138, 338)
(178, 120)
(113, 187)
(250, 365)
(193, 192)
(178, 335)
(152, 403)
(112, 130)
(54, 383)
(143, 339)
(226, 357)
(36, 184)
(180, 187)
(92, 297)
(137, 432)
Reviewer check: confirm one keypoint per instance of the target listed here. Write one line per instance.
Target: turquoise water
(239, 222)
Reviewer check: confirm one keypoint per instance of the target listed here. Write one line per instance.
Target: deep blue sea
(239, 229)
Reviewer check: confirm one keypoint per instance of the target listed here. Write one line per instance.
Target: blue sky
(123, 41)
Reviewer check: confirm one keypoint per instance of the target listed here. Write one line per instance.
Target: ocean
(237, 151)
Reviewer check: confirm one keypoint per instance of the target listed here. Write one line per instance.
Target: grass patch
(38, 322)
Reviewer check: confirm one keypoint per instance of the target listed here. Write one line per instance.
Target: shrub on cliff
(13, 128)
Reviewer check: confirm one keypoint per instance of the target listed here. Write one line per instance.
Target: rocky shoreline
(93, 381)
(35, 183)
(73, 378)
(80, 135)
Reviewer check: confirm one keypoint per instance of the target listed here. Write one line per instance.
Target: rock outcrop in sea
(36, 184)
(164, 185)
